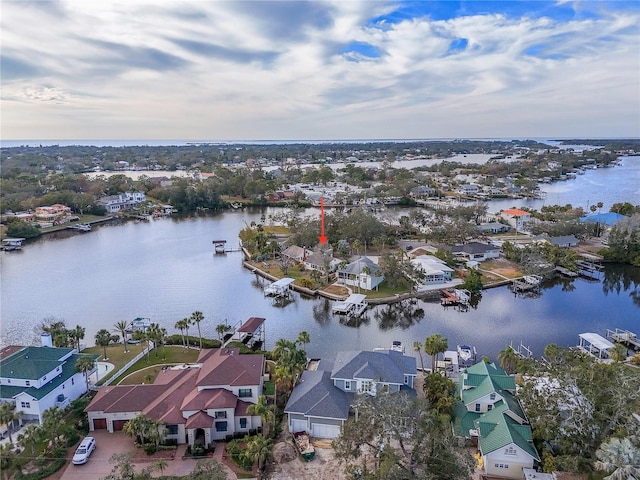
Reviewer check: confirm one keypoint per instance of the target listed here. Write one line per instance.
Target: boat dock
(251, 333)
(279, 288)
(526, 283)
(355, 304)
(455, 297)
(566, 272)
(220, 247)
(9, 244)
(589, 269)
(624, 337)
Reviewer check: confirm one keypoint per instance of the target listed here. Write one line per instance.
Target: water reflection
(618, 278)
(402, 315)
(322, 311)
(354, 321)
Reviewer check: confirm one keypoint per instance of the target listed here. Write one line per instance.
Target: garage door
(298, 426)
(99, 423)
(325, 431)
(118, 424)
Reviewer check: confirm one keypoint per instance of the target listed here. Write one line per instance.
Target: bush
(150, 449)
(45, 472)
(170, 442)
(237, 453)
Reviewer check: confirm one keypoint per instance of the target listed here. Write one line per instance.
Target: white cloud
(242, 70)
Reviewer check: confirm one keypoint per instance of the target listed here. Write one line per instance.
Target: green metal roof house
(38, 378)
(490, 413)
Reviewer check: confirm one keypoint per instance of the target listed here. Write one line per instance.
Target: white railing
(113, 377)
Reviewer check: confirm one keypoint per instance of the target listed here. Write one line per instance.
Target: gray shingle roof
(316, 396)
(355, 267)
(387, 367)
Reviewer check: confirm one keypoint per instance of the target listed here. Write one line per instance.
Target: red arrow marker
(322, 238)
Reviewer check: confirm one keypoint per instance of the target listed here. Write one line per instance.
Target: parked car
(84, 450)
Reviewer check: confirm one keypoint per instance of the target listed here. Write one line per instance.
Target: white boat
(466, 352)
(82, 227)
(397, 346)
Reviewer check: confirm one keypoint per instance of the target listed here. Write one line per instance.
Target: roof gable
(32, 363)
(225, 366)
(316, 396)
(387, 367)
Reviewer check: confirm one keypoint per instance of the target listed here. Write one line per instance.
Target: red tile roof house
(207, 400)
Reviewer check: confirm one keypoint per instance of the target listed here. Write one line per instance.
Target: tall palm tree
(85, 364)
(182, 325)
(618, 353)
(417, 347)
(30, 436)
(187, 324)
(197, 317)
(53, 424)
(221, 328)
(142, 336)
(303, 338)
(77, 334)
(121, 327)
(103, 339)
(7, 460)
(508, 359)
(434, 345)
(620, 456)
(8, 415)
(158, 335)
(263, 410)
(259, 449)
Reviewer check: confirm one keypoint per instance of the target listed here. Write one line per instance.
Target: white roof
(597, 341)
(355, 298)
(283, 282)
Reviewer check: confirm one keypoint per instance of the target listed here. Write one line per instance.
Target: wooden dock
(624, 337)
(220, 247)
(526, 283)
(455, 297)
(566, 272)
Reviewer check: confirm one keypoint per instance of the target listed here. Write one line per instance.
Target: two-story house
(204, 401)
(320, 404)
(490, 414)
(122, 201)
(363, 273)
(435, 270)
(35, 379)
(518, 219)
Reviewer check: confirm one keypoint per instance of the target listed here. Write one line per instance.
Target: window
(245, 392)
(510, 451)
(489, 407)
(477, 407)
(28, 383)
(366, 386)
(25, 404)
(243, 423)
(406, 379)
(221, 426)
(222, 414)
(73, 382)
(172, 429)
(347, 385)
(492, 396)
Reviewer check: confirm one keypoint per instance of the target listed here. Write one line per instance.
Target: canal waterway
(166, 268)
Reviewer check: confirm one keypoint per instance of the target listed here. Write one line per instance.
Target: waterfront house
(422, 191)
(564, 241)
(435, 270)
(35, 379)
(295, 253)
(468, 189)
(122, 201)
(490, 415)
(362, 273)
(320, 404)
(475, 251)
(206, 401)
(322, 262)
(494, 227)
(518, 219)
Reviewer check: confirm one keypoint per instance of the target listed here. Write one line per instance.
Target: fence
(117, 374)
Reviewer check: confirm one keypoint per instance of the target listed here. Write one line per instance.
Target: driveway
(98, 466)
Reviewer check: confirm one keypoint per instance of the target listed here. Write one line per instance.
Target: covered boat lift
(355, 304)
(595, 345)
(279, 288)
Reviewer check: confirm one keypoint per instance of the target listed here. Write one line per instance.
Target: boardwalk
(625, 337)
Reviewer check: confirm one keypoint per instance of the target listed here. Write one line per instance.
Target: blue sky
(250, 70)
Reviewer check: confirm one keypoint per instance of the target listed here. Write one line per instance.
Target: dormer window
(510, 451)
(28, 383)
(347, 384)
(492, 396)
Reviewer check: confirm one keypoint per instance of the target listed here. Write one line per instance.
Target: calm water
(165, 269)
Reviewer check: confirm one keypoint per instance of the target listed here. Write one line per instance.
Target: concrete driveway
(98, 466)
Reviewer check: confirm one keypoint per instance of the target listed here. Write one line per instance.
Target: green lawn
(173, 355)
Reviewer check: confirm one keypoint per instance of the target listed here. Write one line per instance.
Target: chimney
(46, 340)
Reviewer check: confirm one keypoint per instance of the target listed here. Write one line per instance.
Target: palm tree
(508, 359)
(8, 415)
(618, 353)
(197, 317)
(263, 410)
(434, 345)
(620, 456)
(417, 347)
(158, 335)
(122, 327)
(76, 335)
(220, 330)
(7, 460)
(85, 364)
(142, 336)
(139, 427)
(53, 424)
(103, 339)
(30, 436)
(181, 325)
(187, 324)
(160, 465)
(259, 449)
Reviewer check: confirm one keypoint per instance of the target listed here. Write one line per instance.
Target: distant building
(122, 201)
(518, 219)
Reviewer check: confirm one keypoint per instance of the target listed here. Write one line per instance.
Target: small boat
(304, 446)
(397, 346)
(466, 352)
(82, 227)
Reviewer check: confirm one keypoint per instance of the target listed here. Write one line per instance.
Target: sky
(318, 70)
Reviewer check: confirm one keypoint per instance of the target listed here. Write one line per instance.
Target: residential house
(435, 270)
(363, 273)
(122, 201)
(476, 251)
(518, 219)
(564, 241)
(320, 404)
(205, 401)
(35, 379)
(295, 253)
(468, 189)
(494, 227)
(609, 219)
(422, 191)
(321, 262)
(490, 414)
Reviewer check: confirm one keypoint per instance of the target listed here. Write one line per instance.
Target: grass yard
(174, 355)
